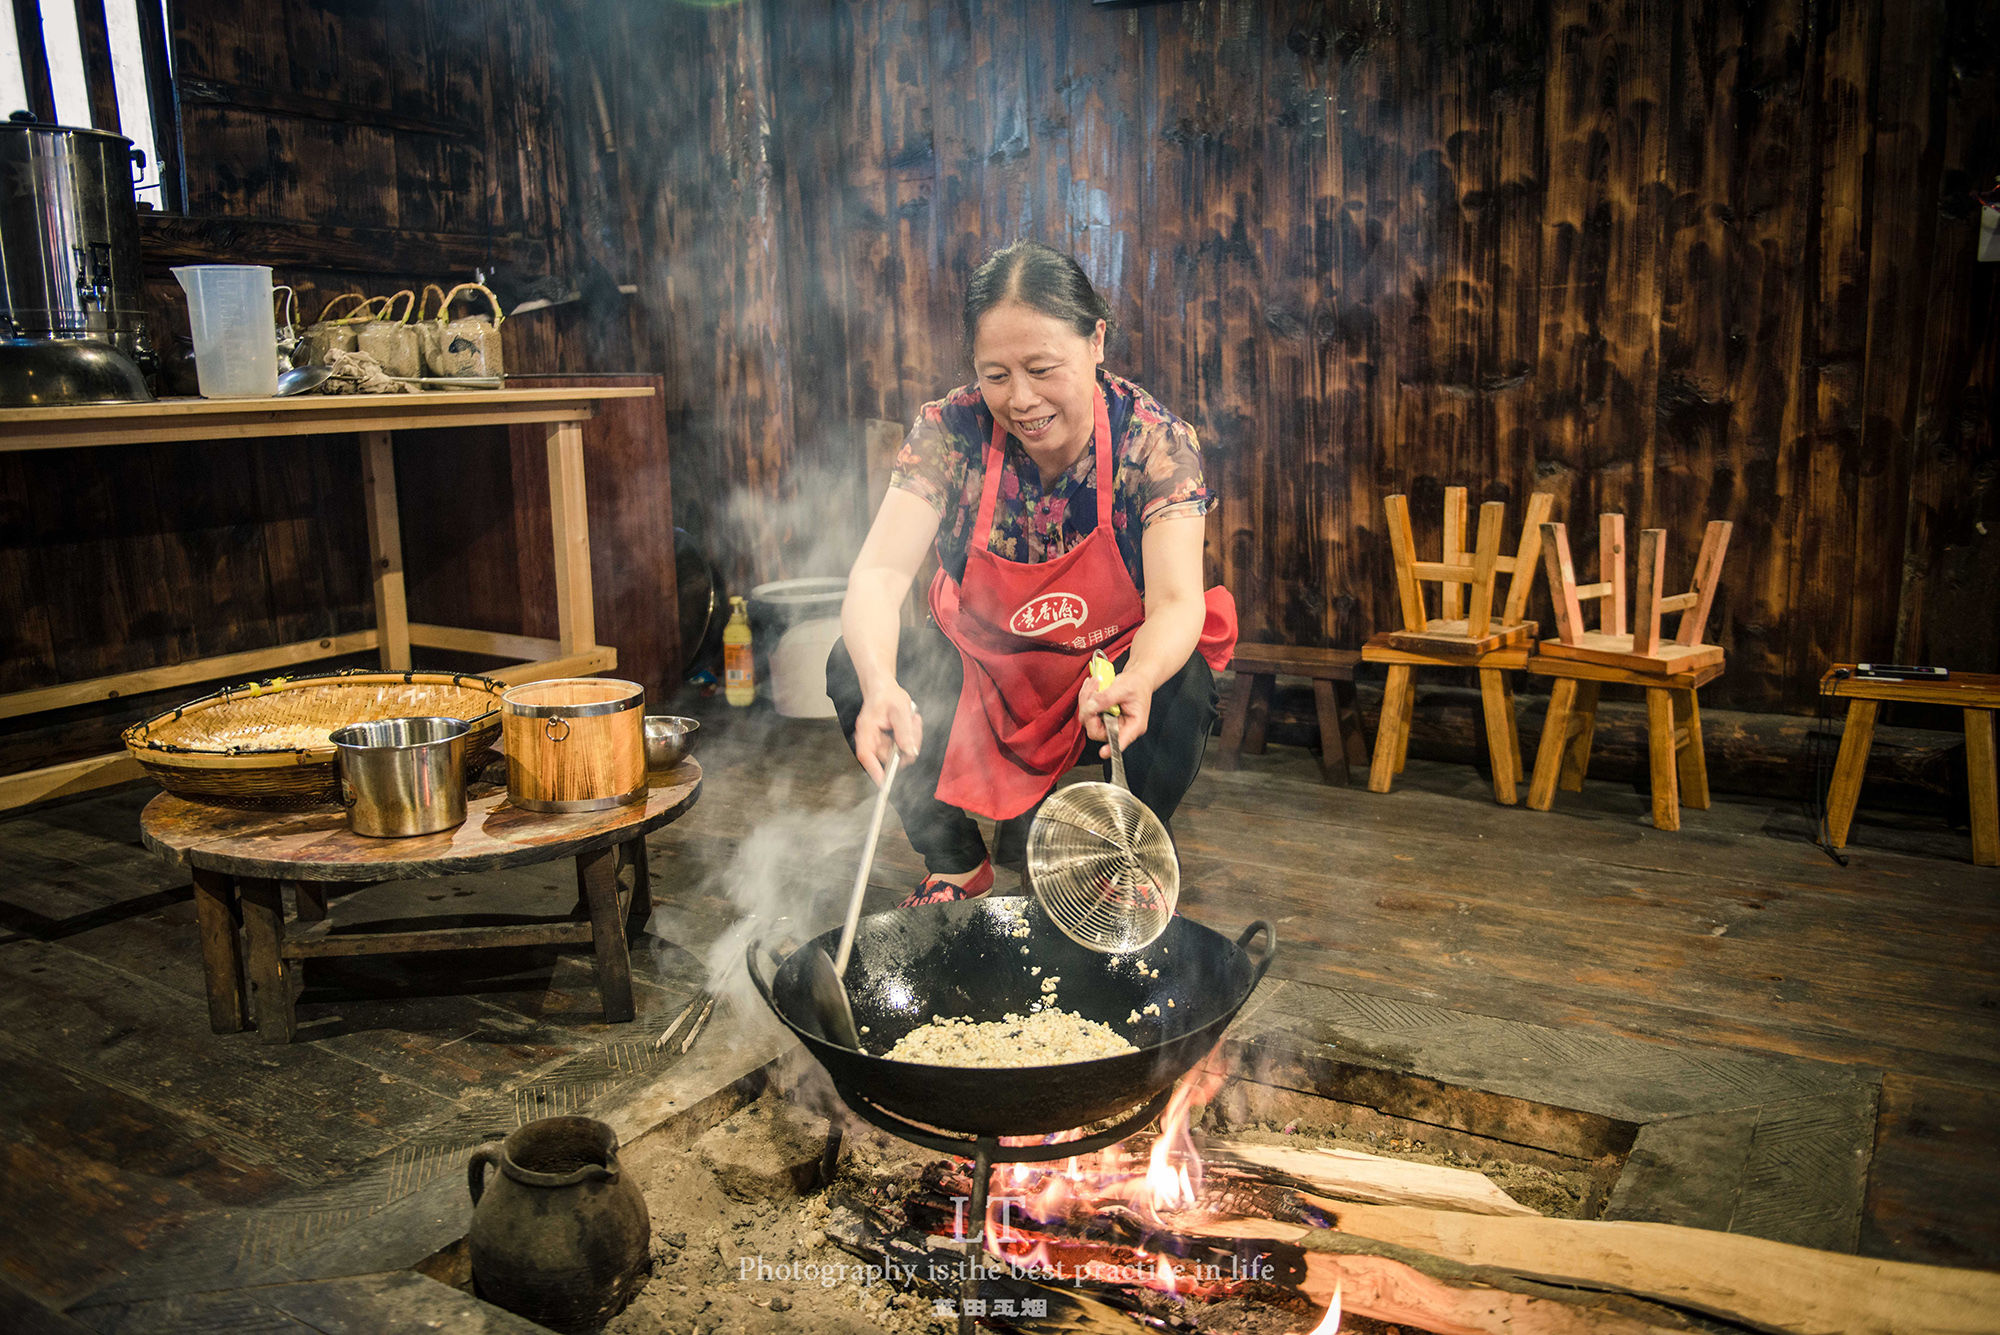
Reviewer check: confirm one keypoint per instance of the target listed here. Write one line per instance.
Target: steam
(814, 530)
(787, 879)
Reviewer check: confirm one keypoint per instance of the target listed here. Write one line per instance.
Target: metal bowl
(669, 738)
(45, 372)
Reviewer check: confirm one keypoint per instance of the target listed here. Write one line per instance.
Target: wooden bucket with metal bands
(574, 744)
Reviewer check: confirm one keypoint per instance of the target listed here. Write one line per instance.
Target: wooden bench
(1975, 693)
(1246, 713)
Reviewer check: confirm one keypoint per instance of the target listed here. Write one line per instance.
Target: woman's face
(1039, 378)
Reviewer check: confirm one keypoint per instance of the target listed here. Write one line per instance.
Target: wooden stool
(1670, 672)
(1257, 668)
(1467, 633)
(251, 956)
(1976, 693)
(1673, 733)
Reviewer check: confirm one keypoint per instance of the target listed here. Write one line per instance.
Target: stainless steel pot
(403, 776)
(69, 237)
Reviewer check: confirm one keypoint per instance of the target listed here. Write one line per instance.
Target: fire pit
(1324, 1174)
(998, 956)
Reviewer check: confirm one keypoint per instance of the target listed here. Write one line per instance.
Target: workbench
(374, 418)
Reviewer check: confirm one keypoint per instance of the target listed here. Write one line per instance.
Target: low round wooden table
(238, 859)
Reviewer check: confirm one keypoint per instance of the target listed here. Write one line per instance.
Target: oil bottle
(739, 678)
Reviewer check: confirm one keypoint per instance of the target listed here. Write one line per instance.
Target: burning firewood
(1255, 1235)
(1354, 1176)
(1753, 1282)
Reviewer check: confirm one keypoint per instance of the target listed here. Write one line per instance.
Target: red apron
(1025, 631)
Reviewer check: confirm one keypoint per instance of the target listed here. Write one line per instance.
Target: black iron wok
(968, 959)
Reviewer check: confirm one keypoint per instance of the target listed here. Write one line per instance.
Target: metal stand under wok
(984, 1151)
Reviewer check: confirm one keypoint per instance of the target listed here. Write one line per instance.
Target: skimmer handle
(1104, 674)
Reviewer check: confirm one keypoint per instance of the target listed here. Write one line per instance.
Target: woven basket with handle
(264, 745)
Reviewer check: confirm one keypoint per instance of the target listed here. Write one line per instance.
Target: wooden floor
(154, 1170)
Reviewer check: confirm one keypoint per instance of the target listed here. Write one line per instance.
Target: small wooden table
(1976, 693)
(238, 858)
(373, 418)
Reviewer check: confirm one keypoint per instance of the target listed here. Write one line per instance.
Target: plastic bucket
(235, 329)
(793, 626)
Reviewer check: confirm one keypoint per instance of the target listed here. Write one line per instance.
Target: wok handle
(750, 954)
(1263, 961)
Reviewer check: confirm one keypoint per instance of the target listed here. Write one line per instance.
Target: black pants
(1160, 766)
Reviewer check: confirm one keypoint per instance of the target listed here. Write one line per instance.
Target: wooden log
(1375, 1178)
(1764, 1285)
(1397, 1293)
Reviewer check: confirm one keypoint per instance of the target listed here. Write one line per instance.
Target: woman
(991, 699)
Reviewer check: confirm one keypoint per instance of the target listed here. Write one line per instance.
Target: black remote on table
(1901, 671)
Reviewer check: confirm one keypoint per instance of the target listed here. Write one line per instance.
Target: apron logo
(1050, 612)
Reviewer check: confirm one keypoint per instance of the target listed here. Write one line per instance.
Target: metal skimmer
(1100, 863)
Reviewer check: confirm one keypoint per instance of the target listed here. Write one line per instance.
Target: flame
(1330, 1323)
(1046, 1195)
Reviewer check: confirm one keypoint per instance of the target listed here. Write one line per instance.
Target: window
(58, 62)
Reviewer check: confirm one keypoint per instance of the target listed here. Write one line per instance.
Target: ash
(740, 1241)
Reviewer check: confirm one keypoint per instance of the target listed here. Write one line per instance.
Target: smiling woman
(1065, 504)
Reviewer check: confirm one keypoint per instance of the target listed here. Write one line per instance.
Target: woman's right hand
(888, 721)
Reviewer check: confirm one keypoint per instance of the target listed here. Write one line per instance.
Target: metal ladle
(829, 993)
(302, 379)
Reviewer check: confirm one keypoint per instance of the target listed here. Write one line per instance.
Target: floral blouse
(1156, 463)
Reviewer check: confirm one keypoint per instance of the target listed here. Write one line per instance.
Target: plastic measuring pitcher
(235, 329)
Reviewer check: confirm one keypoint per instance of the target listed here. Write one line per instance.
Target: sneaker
(936, 890)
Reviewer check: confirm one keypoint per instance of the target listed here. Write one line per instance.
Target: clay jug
(560, 1235)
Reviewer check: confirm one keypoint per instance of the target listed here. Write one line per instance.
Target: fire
(1110, 1181)
(1330, 1323)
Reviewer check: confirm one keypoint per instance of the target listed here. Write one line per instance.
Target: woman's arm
(1170, 550)
(871, 624)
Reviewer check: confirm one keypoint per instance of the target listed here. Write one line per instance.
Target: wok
(968, 959)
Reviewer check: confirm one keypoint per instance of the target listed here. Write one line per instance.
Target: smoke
(786, 880)
(813, 527)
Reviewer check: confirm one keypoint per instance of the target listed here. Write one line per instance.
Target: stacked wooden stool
(1670, 671)
(1467, 632)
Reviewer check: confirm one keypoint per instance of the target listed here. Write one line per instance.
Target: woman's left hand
(1133, 699)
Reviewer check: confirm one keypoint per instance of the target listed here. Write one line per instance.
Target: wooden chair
(1248, 709)
(1670, 671)
(1467, 632)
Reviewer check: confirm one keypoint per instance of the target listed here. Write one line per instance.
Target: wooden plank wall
(1705, 259)
(1701, 260)
(369, 146)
